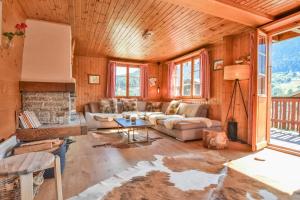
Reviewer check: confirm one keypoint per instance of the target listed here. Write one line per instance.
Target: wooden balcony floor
(284, 138)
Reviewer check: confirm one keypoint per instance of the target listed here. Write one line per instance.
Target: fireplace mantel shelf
(28, 86)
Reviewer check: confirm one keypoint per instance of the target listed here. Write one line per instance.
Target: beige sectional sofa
(182, 130)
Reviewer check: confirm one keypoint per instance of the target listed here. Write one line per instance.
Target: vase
(7, 43)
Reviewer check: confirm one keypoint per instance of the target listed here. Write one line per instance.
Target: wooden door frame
(271, 29)
(255, 144)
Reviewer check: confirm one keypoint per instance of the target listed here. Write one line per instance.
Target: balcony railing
(285, 113)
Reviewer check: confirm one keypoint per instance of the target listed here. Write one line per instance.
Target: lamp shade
(236, 72)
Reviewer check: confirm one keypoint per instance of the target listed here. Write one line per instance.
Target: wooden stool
(214, 139)
(25, 165)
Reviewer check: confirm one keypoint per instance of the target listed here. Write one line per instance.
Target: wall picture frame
(218, 64)
(94, 79)
(152, 81)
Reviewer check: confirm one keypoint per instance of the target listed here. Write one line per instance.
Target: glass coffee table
(132, 127)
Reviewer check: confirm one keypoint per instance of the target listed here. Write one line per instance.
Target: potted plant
(20, 31)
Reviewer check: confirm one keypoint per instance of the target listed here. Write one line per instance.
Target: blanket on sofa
(154, 117)
(106, 116)
(171, 122)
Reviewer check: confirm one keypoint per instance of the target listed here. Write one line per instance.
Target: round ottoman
(213, 139)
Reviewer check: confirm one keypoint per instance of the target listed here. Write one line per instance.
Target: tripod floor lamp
(235, 73)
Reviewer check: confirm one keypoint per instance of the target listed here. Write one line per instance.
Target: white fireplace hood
(47, 52)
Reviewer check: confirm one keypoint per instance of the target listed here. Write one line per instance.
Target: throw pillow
(153, 106)
(129, 105)
(108, 106)
(173, 107)
(94, 107)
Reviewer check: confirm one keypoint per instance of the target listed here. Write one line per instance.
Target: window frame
(180, 63)
(128, 66)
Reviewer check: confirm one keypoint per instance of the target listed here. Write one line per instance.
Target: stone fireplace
(51, 102)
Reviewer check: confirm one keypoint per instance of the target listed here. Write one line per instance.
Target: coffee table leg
(133, 135)
(128, 134)
(26, 181)
(147, 134)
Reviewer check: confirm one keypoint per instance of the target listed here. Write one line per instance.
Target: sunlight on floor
(279, 170)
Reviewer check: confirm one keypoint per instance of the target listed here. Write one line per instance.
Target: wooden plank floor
(86, 166)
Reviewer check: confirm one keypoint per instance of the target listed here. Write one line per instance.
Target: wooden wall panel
(10, 70)
(236, 47)
(216, 81)
(154, 71)
(89, 92)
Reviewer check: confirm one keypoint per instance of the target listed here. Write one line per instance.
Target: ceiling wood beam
(226, 10)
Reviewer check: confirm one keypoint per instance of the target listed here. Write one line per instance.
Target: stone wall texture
(48, 106)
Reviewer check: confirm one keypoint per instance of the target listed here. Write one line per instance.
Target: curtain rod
(185, 56)
(126, 62)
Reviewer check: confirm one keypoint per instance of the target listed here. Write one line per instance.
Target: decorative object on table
(94, 79)
(24, 166)
(152, 81)
(127, 116)
(213, 139)
(218, 64)
(235, 73)
(9, 36)
(133, 118)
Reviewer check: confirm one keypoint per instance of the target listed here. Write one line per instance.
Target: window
(262, 64)
(128, 81)
(187, 78)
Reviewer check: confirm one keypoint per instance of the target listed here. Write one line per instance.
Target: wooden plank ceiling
(114, 28)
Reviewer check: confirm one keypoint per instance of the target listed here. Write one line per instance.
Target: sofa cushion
(173, 107)
(189, 125)
(108, 106)
(94, 107)
(153, 106)
(203, 110)
(164, 106)
(119, 106)
(193, 110)
(188, 109)
(141, 106)
(129, 105)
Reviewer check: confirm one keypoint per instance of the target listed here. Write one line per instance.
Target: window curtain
(144, 80)
(111, 79)
(205, 74)
(171, 79)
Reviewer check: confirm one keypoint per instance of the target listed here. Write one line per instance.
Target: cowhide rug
(111, 138)
(191, 177)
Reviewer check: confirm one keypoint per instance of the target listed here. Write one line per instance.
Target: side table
(25, 165)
